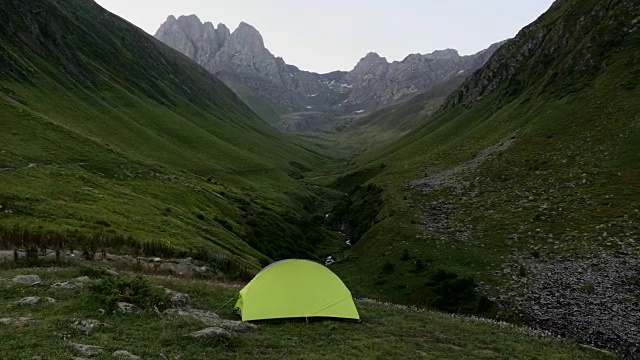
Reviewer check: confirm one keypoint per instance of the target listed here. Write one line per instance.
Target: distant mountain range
(297, 100)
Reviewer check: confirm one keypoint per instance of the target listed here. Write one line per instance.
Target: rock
(88, 350)
(30, 280)
(121, 354)
(50, 300)
(36, 358)
(31, 300)
(178, 300)
(162, 357)
(21, 321)
(126, 308)
(86, 326)
(212, 332)
(207, 317)
(82, 279)
(212, 319)
(111, 272)
(64, 285)
(157, 260)
(78, 358)
(237, 326)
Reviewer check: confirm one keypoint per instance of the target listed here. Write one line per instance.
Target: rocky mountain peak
(372, 59)
(248, 37)
(444, 54)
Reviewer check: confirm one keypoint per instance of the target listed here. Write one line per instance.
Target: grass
(387, 331)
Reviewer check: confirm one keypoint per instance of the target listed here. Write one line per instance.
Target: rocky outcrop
(263, 80)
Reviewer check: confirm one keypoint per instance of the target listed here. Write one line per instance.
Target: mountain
(524, 184)
(108, 132)
(273, 88)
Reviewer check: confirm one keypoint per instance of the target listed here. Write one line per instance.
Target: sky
(329, 35)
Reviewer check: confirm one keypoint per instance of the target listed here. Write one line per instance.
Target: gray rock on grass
(88, 350)
(207, 317)
(31, 300)
(64, 285)
(86, 326)
(30, 280)
(178, 300)
(17, 321)
(126, 308)
(212, 332)
(82, 280)
(125, 355)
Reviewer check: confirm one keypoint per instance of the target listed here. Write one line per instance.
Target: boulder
(21, 321)
(86, 326)
(121, 354)
(126, 308)
(212, 332)
(30, 280)
(88, 350)
(64, 285)
(237, 326)
(207, 317)
(178, 300)
(31, 300)
(82, 279)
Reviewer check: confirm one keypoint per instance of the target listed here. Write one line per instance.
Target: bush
(135, 290)
(418, 268)
(388, 268)
(588, 289)
(522, 271)
(405, 255)
(448, 292)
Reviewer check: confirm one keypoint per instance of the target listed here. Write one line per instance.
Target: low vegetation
(386, 331)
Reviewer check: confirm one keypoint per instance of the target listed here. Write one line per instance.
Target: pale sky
(329, 35)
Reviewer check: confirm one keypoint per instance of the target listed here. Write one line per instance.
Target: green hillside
(535, 156)
(107, 130)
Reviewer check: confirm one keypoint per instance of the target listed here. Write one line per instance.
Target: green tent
(295, 289)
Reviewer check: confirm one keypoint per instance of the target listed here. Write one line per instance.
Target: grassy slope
(102, 123)
(386, 332)
(569, 181)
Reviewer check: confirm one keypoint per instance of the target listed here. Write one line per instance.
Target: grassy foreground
(387, 331)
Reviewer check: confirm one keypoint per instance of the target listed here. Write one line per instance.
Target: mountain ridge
(274, 88)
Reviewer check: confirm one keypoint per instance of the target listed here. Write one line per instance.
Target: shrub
(135, 290)
(200, 217)
(448, 292)
(405, 255)
(522, 271)
(388, 268)
(588, 289)
(419, 267)
(224, 223)
(103, 223)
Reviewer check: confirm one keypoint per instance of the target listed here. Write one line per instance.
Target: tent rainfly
(296, 289)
